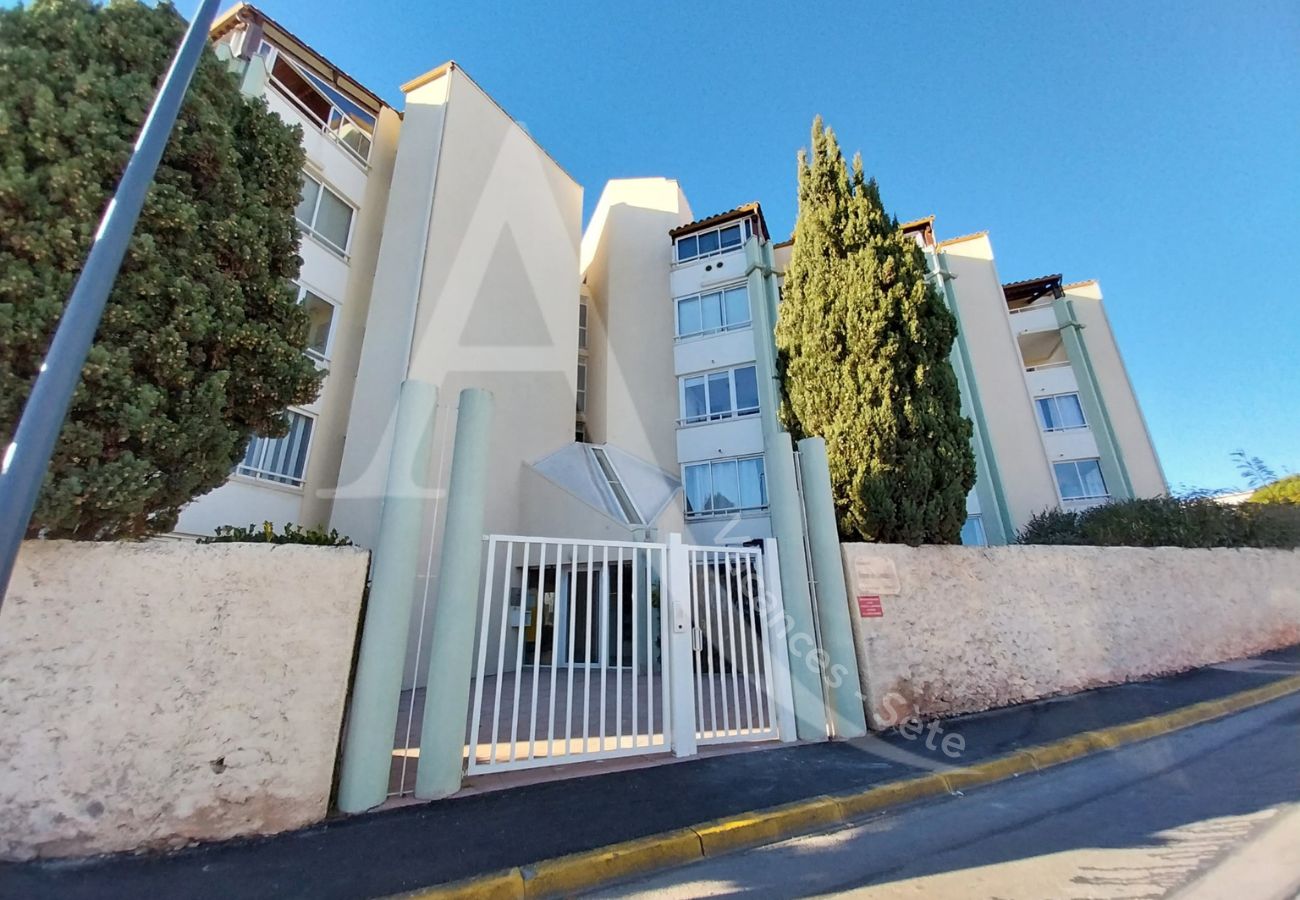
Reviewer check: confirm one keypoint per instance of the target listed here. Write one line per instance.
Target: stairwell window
(1080, 479)
(713, 312)
(1060, 412)
(325, 215)
(282, 460)
(724, 486)
(714, 396)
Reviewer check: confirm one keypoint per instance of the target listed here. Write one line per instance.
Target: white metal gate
(583, 646)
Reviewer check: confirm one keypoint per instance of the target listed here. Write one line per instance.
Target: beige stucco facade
(154, 694)
(964, 629)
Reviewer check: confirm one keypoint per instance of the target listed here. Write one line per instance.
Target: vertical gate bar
(742, 599)
(484, 627)
(501, 646)
(752, 589)
(723, 661)
(780, 685)
(519, 655)
(555, 649)
(727, 573)
(709, 657)
(586, 663)
(697, 640)
(636, 671)
(572, 605)
(649, 649)
(604, 634)
(618, 666)
(537, 648)
(666, 670)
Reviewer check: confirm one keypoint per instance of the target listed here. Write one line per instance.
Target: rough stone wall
(158, 693)
(966, 629)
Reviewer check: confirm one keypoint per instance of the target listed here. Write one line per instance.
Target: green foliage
(864, 341)
(1167, 522)
(291, 534)
(1285, 490)
(201, 343)
(1254, 470)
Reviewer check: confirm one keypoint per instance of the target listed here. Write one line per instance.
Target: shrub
(201, 342)
(291, 534)
(1285, 490)
(1167, 522)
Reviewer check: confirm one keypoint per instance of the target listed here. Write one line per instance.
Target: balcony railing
(306, 96)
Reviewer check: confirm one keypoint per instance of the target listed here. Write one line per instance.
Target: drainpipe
(783, 501)
(998, 528)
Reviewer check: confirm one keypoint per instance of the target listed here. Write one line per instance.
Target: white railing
(344, 129)
(570, 662)
(732, 645)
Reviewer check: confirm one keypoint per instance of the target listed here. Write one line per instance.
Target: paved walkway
(402, 849)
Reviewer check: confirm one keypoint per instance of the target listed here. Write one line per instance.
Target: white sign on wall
(876, 575)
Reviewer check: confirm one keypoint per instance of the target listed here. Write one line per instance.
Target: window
(283, 459)
(582, 387)
(1060, 412)
(713, 312)
(972, 532)
(324, 106)
(724, 486)
(719, 395)
(1080, 479)
(320, 319)
(582, 326)
(715, 240)
(325, 215)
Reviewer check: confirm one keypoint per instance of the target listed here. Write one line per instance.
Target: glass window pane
(730, 237)
(686, 248)
(1067, 477)
(698, 487)
(719, 394)
(693, 402)
(737, 306)
(1090, 477)
(753, 491)
(1069, 412)
(307, 206)
(726, 486)
(746, 390)
(334, 219)
(1046, 413)
(711, 312)
(708, 242)
(688, 316)
(972, 532)
(320, 317)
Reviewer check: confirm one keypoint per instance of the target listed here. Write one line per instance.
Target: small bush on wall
(1285, 490)
(291, 534)
(1167, 522)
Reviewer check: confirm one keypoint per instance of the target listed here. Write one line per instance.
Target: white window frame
(580, 383)
(280, 479)
(735, 511)
(721, 291)
(1054, 398)
(303, 290)
(310, 227)
(1075, 462)
(583, 314)
(733, 412)
(746, 232)
(338, 118)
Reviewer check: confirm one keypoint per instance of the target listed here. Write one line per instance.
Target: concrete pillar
(451, 647)
(784, 506)
(840, 663)
(1110, 457)
(678, 661)
(377, 689)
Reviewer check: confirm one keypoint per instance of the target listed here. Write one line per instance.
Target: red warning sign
(870, 608)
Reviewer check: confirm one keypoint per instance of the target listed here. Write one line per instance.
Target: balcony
(1036, 318)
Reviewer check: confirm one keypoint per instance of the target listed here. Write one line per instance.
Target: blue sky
(1154, 146)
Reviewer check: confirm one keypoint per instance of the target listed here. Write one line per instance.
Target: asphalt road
(1209, 812)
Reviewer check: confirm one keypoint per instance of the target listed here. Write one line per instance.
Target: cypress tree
(201, 343)
(864, 340)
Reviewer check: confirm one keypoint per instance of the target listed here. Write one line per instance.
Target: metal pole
(27, 458)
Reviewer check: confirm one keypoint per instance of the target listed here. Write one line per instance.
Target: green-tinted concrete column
(994, 513)
(377, 689)
(1111, 458)
(451, 648)
(844, 699)
(783, 505)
